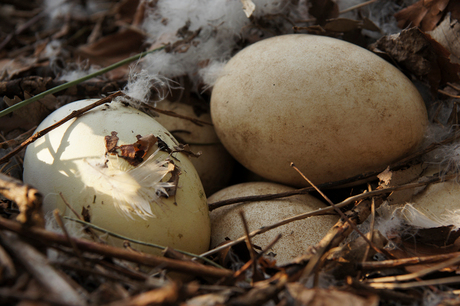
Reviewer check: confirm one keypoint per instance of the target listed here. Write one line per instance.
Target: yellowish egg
(157, 198)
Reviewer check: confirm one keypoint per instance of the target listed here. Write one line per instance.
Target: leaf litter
(43, 43)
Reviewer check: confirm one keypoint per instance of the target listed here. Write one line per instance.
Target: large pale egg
(334, 109)
(215, 164)
(296, 236)
(155, 198)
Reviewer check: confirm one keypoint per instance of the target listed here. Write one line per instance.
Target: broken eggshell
(296, 236)
(434, 205)
(334, 109)
(136, 189)
(215, 164)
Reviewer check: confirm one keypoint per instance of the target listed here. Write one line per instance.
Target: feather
(133, 189)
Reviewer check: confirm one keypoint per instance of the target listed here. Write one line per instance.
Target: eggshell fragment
(334, 109)
(434, 205)
(296, 236)
(215, 164)
(111, 193)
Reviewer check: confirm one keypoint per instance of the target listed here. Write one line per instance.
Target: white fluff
(141, 84)
(210, 73)
(222, 24)
(388, 222)
(60, 8)
(75, 73)
(133, 189)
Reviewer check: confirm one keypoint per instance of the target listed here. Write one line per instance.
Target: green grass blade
(75, 82)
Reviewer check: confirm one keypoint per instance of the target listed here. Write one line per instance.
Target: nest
(371, 256)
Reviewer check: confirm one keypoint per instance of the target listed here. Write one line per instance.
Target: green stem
(53, 90)
(141, 242)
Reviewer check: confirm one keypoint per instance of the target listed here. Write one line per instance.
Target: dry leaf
(113, 48)
(343, 262)
(417, 53)
(385, 177)
(127, 10)
(448, 35)
(347, 25)
(417, 242)
(212, 299)
(133, 153)
(34, 113)
(453, 8)
(111, 141)
(323, 10)
(328, 297)
(424, 14)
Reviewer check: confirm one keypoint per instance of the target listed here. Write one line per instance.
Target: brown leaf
(213, 299)
(111, 141)
(126, 10)
(454, 9)
(370, 25)
(128, 152)
(439, 236)
(165, 295)
(426, 242)
(448, 35)
(345, 259)
(31, 115)
(417, 53)
(143, 144)
(113, 48)
(323, 10)
(133, 153)
(424, 14)
(342, 25)
(328, 297)
(385, 177)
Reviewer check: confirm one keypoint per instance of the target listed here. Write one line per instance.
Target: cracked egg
(121, 170)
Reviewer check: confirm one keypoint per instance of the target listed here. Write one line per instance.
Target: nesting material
(296, 236)
(334, 109)
(155, 198)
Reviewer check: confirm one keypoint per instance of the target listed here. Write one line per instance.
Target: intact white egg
(296, 236)
(334, 109)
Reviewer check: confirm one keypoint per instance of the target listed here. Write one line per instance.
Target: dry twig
(423, 182)
(37, 265)
(39, 234)
(28, 199)
(72, 115)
